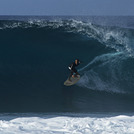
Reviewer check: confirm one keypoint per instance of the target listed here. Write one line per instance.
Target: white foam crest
(69, 125)
(14, 25)
(111, 37)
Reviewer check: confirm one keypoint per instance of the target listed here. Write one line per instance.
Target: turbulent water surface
(66, 124)
(35, 53)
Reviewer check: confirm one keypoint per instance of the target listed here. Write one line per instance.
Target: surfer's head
(77, 61)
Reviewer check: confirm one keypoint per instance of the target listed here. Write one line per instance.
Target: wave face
(35, 53)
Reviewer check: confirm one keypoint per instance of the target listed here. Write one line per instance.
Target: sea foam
(55, 124)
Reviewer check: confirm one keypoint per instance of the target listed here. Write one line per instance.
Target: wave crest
(113, 37)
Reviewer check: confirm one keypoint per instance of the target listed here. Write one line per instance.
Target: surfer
(73, 70)
(74, 75)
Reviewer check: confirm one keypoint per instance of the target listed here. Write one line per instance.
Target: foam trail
(94, 80)
(103, 57)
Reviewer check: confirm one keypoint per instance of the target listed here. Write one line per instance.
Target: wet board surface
(72, 80)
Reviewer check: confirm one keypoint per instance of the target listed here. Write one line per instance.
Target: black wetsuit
(73, 69)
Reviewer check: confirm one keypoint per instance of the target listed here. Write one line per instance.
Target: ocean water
(34, 56)
(66, 124)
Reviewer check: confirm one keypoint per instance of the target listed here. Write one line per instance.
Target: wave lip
(113, 37)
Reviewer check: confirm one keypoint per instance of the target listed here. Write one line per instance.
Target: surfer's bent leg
(71, 74)
(76, 73)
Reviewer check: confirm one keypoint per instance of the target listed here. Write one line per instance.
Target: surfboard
(72, 80)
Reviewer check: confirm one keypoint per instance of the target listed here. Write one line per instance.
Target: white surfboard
(72, 80)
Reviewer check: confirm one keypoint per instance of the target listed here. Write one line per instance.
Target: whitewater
(67, 124)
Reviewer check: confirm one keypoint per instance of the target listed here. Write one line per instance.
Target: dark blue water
(35, 53)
